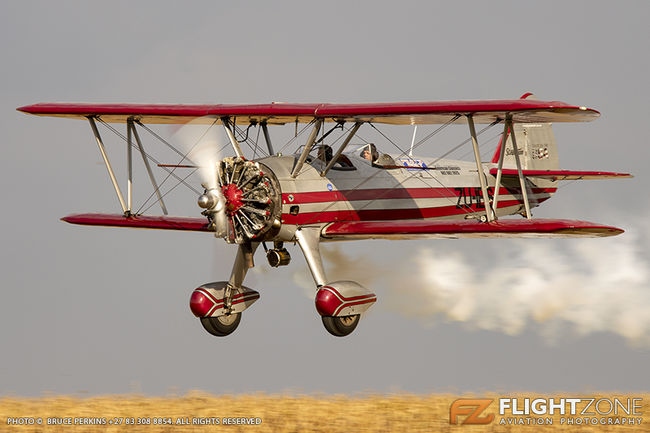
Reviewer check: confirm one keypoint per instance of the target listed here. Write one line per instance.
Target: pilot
(370, 153)
(325, 153)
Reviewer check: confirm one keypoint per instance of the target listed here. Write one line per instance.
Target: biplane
(335, 190)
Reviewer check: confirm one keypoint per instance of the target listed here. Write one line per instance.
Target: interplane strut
(502, 151)
(111, 174)
(130, 126)
(479, 167)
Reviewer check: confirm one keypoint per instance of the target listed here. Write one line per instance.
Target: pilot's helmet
(325, 152)
(370, 147)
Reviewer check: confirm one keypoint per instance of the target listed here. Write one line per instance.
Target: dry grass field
(273, 413)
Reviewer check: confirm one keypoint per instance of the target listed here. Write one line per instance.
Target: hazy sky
(102, 310)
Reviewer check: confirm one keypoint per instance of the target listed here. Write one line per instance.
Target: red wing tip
(70, 219)
(34, 109)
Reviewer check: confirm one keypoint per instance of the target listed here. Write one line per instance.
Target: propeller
(241, 197)
(202, 143)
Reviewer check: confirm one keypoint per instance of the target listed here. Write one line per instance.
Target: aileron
(427, 229)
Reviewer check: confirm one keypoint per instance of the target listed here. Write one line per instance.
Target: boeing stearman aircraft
(333, 190)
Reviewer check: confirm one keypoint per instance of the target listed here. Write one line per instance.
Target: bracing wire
(404, 153)
(183, 158)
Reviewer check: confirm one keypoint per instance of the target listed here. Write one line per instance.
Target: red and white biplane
(342, 191)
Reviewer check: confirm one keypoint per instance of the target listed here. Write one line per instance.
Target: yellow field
(275, 413)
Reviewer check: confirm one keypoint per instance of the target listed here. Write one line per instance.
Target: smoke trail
(339, 266)
(581, 285)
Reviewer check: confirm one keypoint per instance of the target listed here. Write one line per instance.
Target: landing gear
(339, 303)
(340, 326)
(219, 304)
(222, 325)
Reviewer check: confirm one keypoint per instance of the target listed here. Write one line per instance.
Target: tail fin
(535, 143)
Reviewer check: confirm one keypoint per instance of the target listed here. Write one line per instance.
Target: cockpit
(323, 154)
(369, 153)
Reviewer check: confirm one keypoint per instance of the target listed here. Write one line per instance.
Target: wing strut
(129, 170)
(267, 138)
(522, 180)
(353, 131)
(130, 128)
(479, 166)
(93, 126)
(231, 136)
(502, 153)
(307, 149)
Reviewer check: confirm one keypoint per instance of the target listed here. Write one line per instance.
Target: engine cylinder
(252, 198)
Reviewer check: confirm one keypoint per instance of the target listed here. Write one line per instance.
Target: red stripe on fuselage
(390, 193)
(389, 214)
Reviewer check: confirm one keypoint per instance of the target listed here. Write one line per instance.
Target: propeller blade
(201, 143)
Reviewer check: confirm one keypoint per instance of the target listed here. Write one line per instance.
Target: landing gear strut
(338, 302)
(219, 304)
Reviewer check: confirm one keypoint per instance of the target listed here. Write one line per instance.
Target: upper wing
(397, 113)
(563, 174)
(427, 229)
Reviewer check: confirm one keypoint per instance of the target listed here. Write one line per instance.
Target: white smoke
(577, 286)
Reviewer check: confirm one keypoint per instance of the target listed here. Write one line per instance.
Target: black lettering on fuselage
(472, 198)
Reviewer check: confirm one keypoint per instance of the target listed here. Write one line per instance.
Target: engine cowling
(343, 298)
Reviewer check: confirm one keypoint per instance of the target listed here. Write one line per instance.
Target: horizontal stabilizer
(139, 222)
(427, 229)
(563, 174)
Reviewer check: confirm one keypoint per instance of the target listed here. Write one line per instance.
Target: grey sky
(106, 310)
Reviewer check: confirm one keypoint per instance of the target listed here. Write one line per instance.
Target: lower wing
(398, 229)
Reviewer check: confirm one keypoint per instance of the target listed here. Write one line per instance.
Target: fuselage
(408, 188)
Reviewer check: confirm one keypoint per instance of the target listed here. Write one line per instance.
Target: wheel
(340, 326)
(222, 325)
